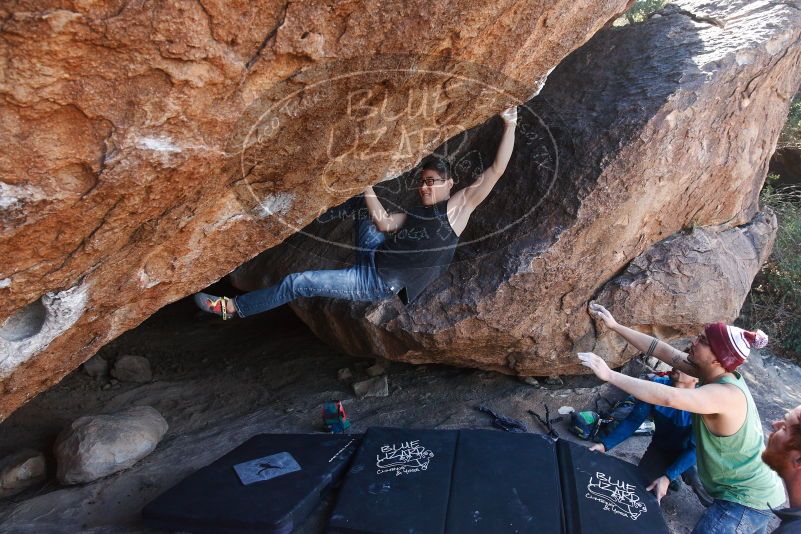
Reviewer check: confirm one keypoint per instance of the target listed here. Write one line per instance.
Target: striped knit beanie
(731, 345)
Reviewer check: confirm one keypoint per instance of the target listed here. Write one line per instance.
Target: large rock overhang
(644, 132)
(132, 171)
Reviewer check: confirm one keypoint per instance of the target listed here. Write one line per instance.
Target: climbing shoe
(216, 305)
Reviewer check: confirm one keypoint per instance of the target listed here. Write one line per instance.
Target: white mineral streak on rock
(6, 201)
(745, 57)
(146, 281)
(777, 44)
(279, 203)
(62, 309)
(539, 84)
(159, 144)
(11, 195)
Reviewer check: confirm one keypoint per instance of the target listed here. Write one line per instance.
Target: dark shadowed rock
(132, 368)
(96, 367)
(92, 447)
(344, 374)
(375, 370)
(786, 162)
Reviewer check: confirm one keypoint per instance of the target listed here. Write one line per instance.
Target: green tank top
(731, 467)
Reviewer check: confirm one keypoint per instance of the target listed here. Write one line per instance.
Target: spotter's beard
(774, 459)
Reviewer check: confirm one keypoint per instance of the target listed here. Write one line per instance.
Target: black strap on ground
(504, 423)
(603, 413)
(546, 422)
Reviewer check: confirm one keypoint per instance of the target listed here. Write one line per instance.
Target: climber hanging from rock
(396, 254)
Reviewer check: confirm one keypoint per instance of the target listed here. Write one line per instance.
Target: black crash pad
(504, 482)
(293, 471)
(433, 482)
(399, 482)
(605, 494)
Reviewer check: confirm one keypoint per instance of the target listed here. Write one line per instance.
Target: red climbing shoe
(216, 305)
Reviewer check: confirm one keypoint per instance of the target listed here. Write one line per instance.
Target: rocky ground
(219, 383)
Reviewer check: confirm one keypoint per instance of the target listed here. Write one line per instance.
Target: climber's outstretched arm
(645, 343)
(477, 192)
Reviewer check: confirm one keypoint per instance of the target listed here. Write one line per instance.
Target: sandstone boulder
(20, 471)
(645, 131)
(92, 447)
(153, 147)
(687, 280)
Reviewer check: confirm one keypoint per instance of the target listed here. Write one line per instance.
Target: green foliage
(639, 11)
(791, 133)
(774, 303)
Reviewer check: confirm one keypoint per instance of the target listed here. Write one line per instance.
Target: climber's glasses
(431, 181)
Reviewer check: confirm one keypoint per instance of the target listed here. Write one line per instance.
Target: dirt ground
(217, 384)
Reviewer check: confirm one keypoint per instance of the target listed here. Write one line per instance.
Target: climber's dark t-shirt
(415, 255)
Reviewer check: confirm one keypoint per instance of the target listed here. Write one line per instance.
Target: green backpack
(594, 425)
(585, 424)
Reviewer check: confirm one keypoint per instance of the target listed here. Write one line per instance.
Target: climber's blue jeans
(725, 517)
(359, 282)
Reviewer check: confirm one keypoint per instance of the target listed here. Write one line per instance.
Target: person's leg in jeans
(353, 283)
(360, 282)
(725, 517)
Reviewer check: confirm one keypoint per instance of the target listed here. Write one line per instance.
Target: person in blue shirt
(671, 453)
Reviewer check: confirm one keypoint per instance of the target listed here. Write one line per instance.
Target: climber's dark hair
(437, 164)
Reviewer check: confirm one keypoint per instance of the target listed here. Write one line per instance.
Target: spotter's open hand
(596, 364)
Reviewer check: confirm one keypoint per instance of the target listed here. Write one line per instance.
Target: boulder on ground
(92, 447)
(132, 368)
(372, 387)
(20, 471)
(375, 370)
(96, 366)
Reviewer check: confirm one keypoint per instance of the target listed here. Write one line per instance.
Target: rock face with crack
(646, 130)
(688, 280)
(150, 148)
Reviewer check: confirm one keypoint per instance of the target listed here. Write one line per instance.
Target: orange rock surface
(148, 146)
